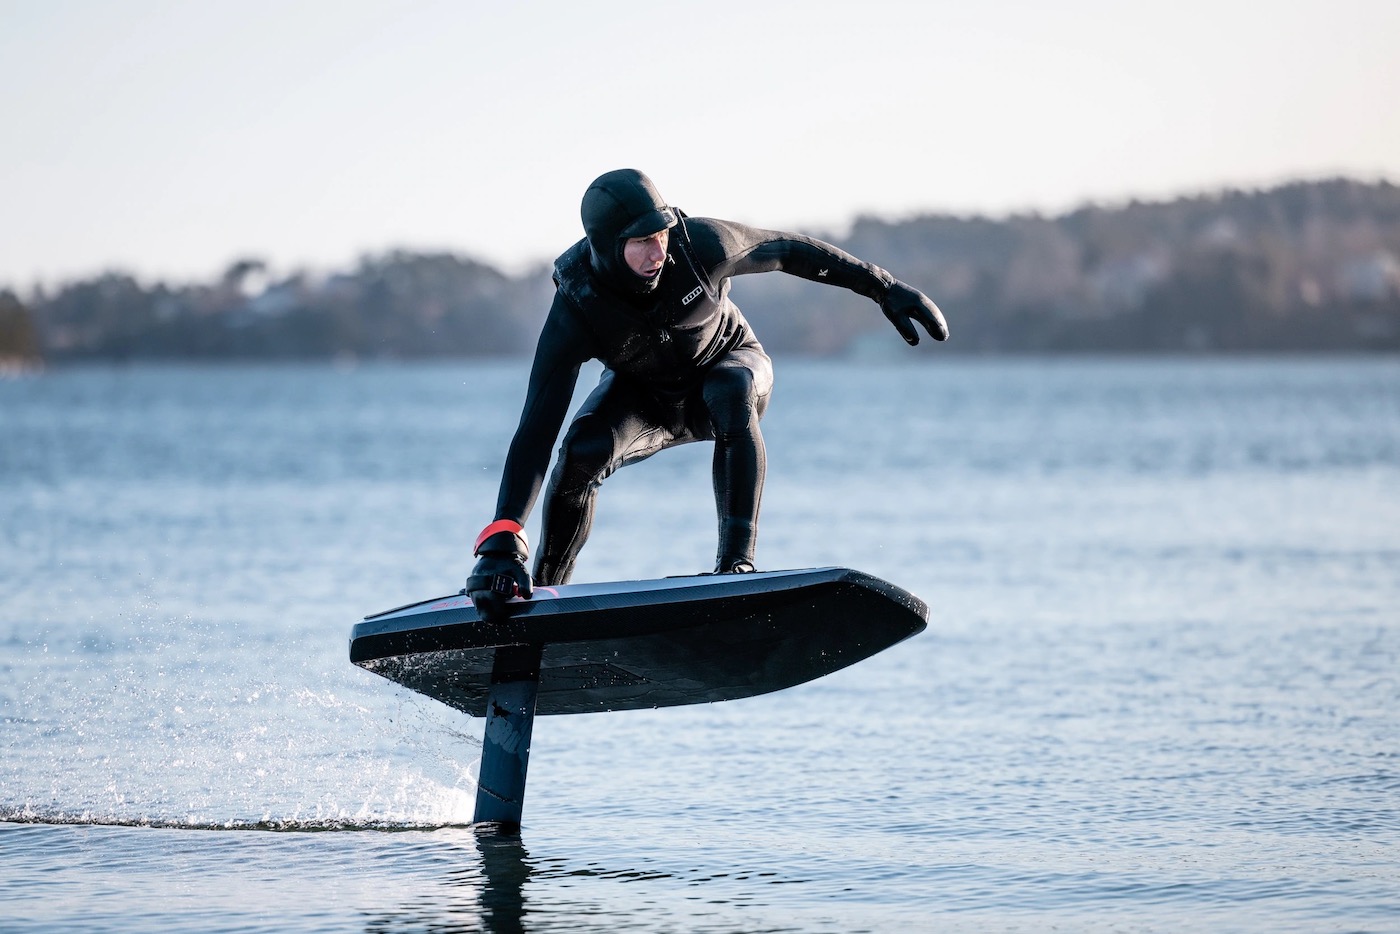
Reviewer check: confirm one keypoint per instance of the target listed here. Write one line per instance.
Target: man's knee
(731, 395)
(585, 457)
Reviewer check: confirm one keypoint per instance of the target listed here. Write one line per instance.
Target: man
(646, 292)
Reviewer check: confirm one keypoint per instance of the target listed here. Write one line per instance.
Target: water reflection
(505, 868)
(491, 882)
(481, 891)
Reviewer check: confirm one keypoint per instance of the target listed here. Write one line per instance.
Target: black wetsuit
(682, 365)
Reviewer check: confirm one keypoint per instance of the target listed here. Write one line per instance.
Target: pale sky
(169, 138)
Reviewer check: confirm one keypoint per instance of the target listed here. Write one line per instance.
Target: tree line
(1307, 266)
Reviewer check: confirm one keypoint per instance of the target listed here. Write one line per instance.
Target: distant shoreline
(1307, 267)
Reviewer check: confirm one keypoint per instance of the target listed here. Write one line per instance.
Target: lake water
(1160, 688)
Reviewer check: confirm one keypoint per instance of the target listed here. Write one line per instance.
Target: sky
(168, 139)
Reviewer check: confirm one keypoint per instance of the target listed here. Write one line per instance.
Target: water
(1159, 690)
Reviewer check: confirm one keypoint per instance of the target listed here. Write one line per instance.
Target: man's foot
(734, 566)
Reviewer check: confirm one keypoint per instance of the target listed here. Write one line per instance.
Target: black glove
(904, 305)
(499, 574)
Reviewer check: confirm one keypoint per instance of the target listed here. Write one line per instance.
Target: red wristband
(500, 525)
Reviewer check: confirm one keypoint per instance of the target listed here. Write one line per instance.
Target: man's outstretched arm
(731, 249)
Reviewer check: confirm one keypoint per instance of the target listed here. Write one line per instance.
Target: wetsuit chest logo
(692, 295)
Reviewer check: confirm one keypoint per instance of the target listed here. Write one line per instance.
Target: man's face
(645, 255)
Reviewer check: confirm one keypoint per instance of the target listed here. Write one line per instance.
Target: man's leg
(610, 430)
(736, 395)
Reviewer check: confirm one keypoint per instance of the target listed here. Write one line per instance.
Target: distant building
(1122, 282)
(1371, 278)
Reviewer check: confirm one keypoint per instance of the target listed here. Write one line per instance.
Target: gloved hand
(500, 571)
(904, 305)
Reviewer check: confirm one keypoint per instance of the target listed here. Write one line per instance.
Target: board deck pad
(627, 645)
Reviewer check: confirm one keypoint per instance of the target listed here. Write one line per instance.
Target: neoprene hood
(618, 205)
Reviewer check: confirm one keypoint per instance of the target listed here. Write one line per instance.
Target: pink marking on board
(450, 603)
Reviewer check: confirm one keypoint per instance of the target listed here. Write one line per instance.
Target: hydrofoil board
(626, 645)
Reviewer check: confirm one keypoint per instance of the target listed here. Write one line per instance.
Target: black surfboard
(653, 643)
